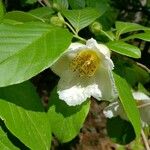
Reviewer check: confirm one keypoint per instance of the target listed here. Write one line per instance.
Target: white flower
(143, 101)
(85, 71)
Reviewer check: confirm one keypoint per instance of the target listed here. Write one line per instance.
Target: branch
(145, 140)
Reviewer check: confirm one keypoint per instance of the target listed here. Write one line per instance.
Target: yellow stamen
(86, 62)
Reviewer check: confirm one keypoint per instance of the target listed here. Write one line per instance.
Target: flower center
(86, 62)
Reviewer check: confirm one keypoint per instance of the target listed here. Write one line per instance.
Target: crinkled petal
(74, 90)
(116, 109)
(63, 61)
(105, 80)
(77, 94)
(113, 110)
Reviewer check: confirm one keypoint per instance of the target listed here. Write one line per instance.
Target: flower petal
(75, 46)
(140, 96)
(115, 109)
(104, 78)
(111, 110)
(74, 90)
(145, 114)
(92, 44)
(107, 63)
(63, 61)
(103, 51)
(145, 110)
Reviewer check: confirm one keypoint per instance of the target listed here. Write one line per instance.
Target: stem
(144, 67)
(80, 38)
(47, 3)
(40, 1)
(71, 28)
(117, 35)
(145, 140)
(128, 38)
(144, 105)
(107, 35)
(75, 33)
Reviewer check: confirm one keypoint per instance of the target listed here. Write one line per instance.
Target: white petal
(144, 111)
(75, 46)
(115, 109)
(140, 96)
(63, 61)
(75, 90)
(111, 110)
(107, 63)
(77, 94)
(92, 44)
(104, 49)
(61, 64)
(104, 78)
(145, 114)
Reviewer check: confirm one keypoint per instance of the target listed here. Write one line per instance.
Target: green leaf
(101, 5)
(66, 121)
(22, 16)
(141, 88)
(63, 4)
(124, 27)
(124, 49)
(108, 18)
(128, 102)
(11, 22)
(23, 114)
(133, 73)
(28, 49)
(77, 4)
(142, 36)
(5, 143)
(120, 131)
(42, 12)
(81, 18)
(2, 10)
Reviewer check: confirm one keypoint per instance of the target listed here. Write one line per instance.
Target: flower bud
(95, 27)
(55, 20)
